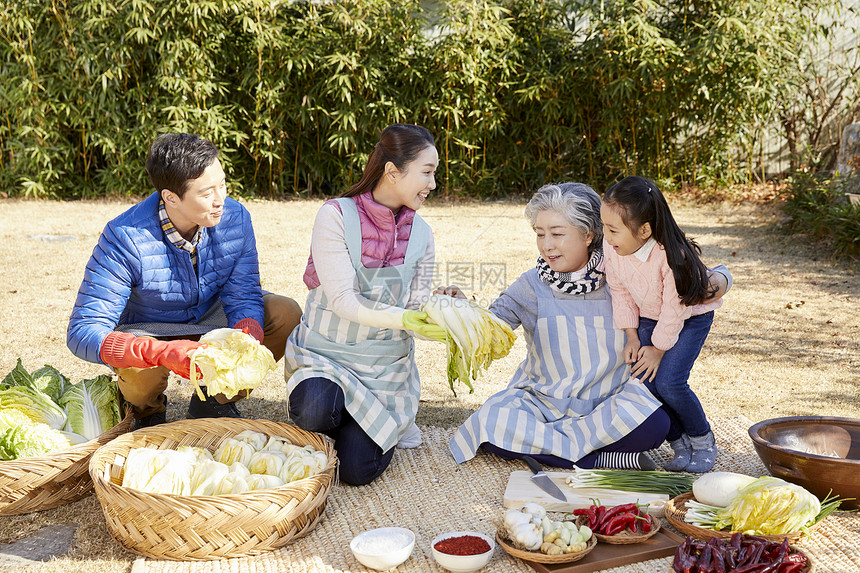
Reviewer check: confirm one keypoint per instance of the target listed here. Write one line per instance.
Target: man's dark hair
(174, 159)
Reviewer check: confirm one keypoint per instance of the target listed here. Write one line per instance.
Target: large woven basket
(192, 528)
(35, 484)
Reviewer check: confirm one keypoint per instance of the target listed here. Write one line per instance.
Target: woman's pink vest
(384, 236)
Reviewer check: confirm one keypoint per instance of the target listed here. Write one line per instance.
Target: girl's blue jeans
(670, 384)
(317, 405)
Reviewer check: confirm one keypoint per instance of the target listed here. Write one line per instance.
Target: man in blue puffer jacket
(178, 264)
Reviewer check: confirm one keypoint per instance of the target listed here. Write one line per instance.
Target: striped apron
(375, 367)
(570, 396)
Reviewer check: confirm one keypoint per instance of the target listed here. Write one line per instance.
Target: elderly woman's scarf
(593, 279)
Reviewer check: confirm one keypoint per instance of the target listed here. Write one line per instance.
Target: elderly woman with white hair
(572, 400)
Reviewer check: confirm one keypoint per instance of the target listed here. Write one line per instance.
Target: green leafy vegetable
(30, 440)
(92, 406)
(50, 381)
(476, 336)
(767, 506)
(18, 377)
(37, 405)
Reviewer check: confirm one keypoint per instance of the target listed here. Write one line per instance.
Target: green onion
(829, 504)
(634, 480)
(701, 514)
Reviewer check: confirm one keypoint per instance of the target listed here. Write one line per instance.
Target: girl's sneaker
(704, 454)
(683, 454)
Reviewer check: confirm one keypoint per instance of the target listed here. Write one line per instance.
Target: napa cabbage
(50, 381)
(229, 361)
(36, 405)
(476, 336)
(92, 406)
(769, 506)
(27, 440)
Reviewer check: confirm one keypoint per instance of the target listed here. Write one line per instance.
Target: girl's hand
(646, 366)
(450, 291)
(631, 347)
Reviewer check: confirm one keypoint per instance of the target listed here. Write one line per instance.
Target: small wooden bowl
(626, 537)
(538, 557)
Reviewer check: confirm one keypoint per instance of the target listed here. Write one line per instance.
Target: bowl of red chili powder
(462, 551)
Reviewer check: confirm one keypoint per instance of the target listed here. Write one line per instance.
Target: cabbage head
(92, 406)
(769, 506)
(36, 405)
(230, 362)
(30, 440)
(50, 381)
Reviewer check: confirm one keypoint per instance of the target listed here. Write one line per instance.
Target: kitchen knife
(542, 480)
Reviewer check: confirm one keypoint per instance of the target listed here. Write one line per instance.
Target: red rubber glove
(254, 328)
(123, 350)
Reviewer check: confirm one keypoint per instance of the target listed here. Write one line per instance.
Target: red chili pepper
(704, 563)
(600, 512)
(618, 523)
(684, 561)
(752, 568)
(645, 523)
(731, 558)
(624, 508)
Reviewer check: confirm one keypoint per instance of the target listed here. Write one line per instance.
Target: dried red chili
(462, 545)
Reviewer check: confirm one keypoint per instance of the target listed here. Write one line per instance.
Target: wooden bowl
(820, 453)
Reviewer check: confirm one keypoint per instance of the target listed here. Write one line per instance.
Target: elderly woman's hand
(452, 290)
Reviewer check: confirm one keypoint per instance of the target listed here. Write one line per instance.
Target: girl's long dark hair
(399, 143)
(640, 201)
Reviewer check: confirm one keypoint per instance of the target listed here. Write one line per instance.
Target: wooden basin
(819, 453)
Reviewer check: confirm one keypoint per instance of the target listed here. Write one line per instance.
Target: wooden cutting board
(521, 490)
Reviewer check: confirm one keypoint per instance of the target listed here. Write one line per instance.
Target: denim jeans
(646, 436)
(670, 384)
(317, 405)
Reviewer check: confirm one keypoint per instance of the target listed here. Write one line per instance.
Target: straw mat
(425, 491)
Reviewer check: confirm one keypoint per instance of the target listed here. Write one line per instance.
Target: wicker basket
(538, 557)
(192, 528)
(676, 510)
(35, 484)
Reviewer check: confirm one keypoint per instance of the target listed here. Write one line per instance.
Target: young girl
(350, 369)
(662, 300)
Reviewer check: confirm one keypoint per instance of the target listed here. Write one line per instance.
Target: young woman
(350, 366)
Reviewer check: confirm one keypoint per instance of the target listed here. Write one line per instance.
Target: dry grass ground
(786, 342)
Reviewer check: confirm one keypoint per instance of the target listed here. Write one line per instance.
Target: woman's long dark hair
(399, 143)
(640, 201)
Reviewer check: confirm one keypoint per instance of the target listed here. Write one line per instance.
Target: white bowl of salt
(383, 548)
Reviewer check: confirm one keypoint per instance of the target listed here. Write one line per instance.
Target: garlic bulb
(527, 535)
(538, 511)
(512, 518)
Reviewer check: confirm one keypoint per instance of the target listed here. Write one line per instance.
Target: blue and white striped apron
(375, 367)
(570, 396)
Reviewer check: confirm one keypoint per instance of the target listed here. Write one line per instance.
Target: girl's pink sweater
(648, 289)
